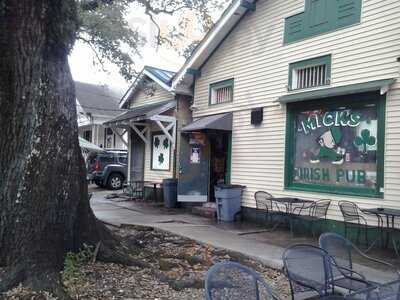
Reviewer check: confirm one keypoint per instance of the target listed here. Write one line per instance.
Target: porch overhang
(137, 120)
(381, 86)
(214, 122)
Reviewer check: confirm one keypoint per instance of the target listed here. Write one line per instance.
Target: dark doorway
(220, 160)
(137, 158)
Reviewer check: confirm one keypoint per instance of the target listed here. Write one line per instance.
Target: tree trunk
(44, 208)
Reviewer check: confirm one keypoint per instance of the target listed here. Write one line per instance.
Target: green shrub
(74, 261)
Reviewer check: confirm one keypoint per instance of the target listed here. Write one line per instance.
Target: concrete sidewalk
(227, 236)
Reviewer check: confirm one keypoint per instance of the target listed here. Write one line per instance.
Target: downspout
(174, 171)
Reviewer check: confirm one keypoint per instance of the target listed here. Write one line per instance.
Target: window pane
(337, 147)
(221, 92)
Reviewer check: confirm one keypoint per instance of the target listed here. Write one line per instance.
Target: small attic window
(310, 73)
(221, 92)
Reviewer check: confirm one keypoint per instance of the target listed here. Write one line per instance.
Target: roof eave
(211, 41)
(134, 87)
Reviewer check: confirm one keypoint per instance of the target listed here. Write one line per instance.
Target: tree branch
(97, 55)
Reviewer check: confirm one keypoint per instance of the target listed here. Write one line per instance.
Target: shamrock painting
(364, 140)
(166, 143)
(161, 152)
(156, 142)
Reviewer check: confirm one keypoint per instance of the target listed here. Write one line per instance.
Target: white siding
(254, 55)
(141, 98)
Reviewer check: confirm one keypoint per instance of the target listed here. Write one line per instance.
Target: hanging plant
(161, 158)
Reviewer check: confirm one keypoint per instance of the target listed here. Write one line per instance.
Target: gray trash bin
(170, 187)
(229, 201)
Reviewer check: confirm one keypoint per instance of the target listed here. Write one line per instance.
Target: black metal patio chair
(264, 204)
(233, 281)
(343, 250)
(312, 213)
(310, 268)
(134, 189)
(387, 291)
(353, 216)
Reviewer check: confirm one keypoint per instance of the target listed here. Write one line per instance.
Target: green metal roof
(337, 91)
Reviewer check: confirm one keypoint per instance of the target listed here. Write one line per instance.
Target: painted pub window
(336, 149)
(160, 152)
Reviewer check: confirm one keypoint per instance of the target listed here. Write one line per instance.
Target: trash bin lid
(230, 186)
(170, 180)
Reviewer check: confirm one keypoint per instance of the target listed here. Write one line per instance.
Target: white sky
(82, 58)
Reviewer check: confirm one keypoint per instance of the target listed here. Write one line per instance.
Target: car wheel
(115, 182)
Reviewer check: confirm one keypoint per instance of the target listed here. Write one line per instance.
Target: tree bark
(44, 208)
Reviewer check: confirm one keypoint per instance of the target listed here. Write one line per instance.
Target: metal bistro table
(288, 203)
(390, 214)
(135, 189)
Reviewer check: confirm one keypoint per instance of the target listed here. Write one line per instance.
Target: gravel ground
(176, 270)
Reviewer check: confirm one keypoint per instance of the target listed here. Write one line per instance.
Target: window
(87, 135)
(160, 152)
(310, 73)
(336, 145)
(221, 92)
(123, 159)
(321, 16)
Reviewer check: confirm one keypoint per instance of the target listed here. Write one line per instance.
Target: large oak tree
(44, 208)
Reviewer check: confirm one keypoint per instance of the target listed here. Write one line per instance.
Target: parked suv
(109, 169)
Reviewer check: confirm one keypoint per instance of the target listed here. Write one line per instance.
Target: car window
(123, 159)
(107, 159)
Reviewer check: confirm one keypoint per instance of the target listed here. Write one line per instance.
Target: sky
(82, 58)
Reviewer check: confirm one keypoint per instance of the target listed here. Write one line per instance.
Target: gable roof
(160, 76)
(97, 99)
(143, 112)
(231, 16)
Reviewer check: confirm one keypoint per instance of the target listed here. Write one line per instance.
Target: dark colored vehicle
(108, 169)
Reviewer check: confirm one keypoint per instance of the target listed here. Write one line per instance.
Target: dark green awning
(213, 122)
(371, 86)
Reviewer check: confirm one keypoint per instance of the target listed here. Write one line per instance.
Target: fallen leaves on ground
(177, 270)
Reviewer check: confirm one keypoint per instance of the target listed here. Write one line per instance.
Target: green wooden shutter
(318, 13)
(322, 16)
(348, 12)
(294, 28)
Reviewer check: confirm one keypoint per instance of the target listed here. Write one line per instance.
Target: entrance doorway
(205, 160)
(137, 158)
(220, 160)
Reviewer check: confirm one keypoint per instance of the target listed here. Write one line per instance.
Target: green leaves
(104, 28)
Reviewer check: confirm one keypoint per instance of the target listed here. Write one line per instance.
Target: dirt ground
(175, 269)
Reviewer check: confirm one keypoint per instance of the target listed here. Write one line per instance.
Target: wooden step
(207, 212)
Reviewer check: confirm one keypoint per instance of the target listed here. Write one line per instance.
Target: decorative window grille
(310, 73)
(310, 77)
(221, 92)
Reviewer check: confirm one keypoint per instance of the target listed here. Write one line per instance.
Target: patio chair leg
(366, 236)
(312, 229)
